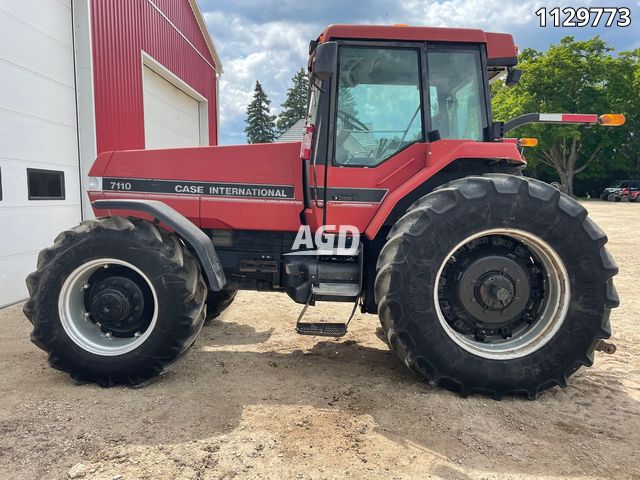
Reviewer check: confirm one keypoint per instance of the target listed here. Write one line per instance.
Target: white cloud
(273, 49)
(270, 53)
(496, 14)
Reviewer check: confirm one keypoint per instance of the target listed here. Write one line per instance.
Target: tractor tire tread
(394, 260)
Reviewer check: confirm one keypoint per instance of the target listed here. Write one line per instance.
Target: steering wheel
(353, 121)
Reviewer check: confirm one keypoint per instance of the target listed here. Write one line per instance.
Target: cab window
(456, 94)
(379, 108)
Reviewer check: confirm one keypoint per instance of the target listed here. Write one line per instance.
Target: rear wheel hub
(493, 288)
(492, 293)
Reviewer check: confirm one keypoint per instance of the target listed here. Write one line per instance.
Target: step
(322, 329)
(346, 290)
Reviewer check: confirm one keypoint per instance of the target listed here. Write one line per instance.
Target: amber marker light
(528, 142)
(611, 119)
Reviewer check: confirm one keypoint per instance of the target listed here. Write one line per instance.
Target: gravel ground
(254, 400)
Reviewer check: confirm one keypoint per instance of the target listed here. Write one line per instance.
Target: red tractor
(484, 280)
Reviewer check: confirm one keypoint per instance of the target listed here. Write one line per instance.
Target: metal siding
(120, 31)
(182, 16)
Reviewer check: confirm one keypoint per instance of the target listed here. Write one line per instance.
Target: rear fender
(446, 160)
(200, 243)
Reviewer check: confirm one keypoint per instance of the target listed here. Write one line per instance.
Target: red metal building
(126, 35)
(87, 76)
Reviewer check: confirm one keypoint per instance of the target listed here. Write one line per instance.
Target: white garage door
(40, 193)
(171, 117)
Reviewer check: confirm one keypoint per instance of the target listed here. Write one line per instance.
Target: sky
(267, 40)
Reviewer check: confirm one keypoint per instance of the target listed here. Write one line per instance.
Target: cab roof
(501, 50)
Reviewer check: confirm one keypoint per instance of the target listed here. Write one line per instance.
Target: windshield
(379, 104)
(456, 93)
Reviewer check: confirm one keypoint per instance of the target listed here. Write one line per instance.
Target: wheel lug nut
(137, 334)
(506, 332)
(108, 334)
(480, 335)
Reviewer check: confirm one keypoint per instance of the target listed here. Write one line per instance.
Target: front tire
(115, 301)
(217, 302)
(497, 285)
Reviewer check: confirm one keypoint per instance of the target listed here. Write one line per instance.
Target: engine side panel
(244, 187)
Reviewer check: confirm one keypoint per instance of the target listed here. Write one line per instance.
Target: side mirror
(325, 63)
(513, 77)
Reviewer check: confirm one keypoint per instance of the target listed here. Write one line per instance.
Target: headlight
(94, 183)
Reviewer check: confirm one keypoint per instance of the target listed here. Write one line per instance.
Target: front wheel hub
(108, 306)
(117, 303)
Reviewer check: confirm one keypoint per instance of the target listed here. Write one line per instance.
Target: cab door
(379, 125)
(375, 114)
(386, 98)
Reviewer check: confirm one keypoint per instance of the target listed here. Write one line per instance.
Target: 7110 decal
(585, 17)
(211, 189)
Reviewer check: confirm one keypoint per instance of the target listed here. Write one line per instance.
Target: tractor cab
(380, 95)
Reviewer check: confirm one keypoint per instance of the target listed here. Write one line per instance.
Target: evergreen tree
(295, 106)
(347, 103)
(260, 123)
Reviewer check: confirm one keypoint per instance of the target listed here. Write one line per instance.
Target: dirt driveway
(254, 400)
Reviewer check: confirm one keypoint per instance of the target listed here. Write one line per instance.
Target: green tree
(295, 106)
(572, 77)
(260, 124)
(347, 102)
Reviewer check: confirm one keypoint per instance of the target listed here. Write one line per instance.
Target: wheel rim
(502, 293)
(108, 307)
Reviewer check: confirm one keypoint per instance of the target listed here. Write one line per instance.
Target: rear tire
(217, 302)
(544, 240)
(115, 301)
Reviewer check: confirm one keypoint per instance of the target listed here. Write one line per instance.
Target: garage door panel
(163, 114)
(43, 227)
(41, 97)
(35, 51)
(169, 104)
(38, 129)
(47, 141)
(17, 262)
(51, 17)
(12, 270)
(172, 117)
(15, 191)
(161, 132)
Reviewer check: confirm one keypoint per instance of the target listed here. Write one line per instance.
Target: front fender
(187, 231)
